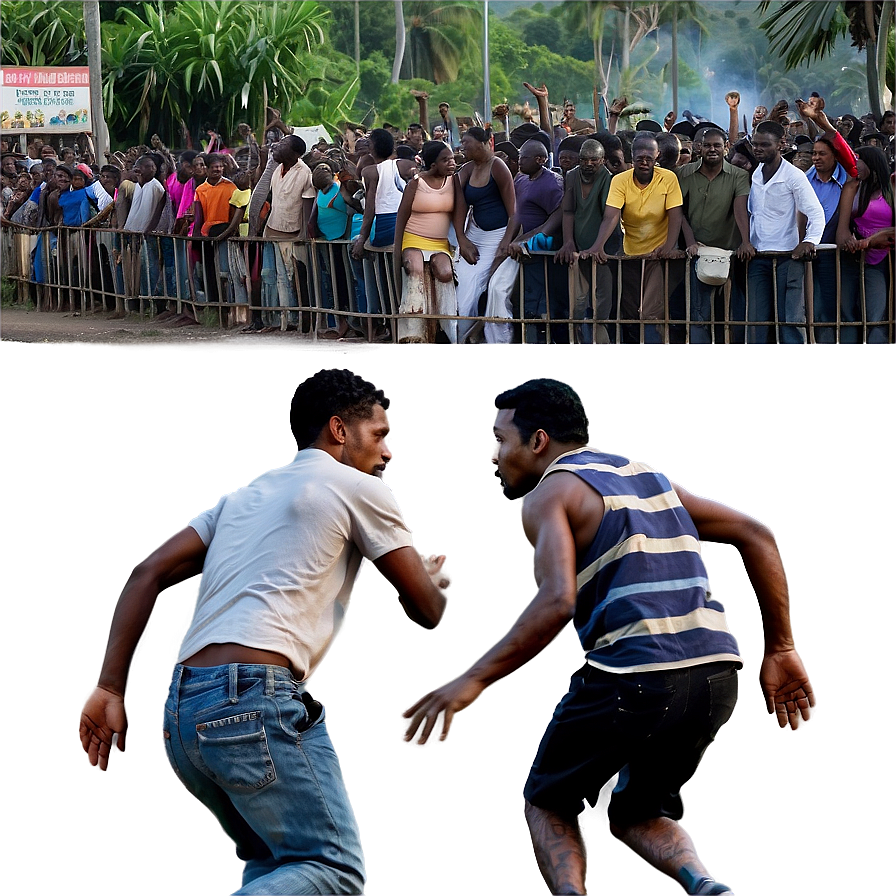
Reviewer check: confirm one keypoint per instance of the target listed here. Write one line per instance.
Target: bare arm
(668, 248)
(544, 113)
(845, 238)
(422, 98)
(467, 250)
(233, 223)
(732, 98)
(568, 252)
(198, 218)
(614, 112)
(420, 584)
(548, 528)
(179, 558)
(784, 681)
(160, 200)
(370, 177)
(401, 220)
(742, 219)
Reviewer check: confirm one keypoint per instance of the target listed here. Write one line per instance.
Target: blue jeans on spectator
(762, 280)
(876, 296)
(708, 305)
(277, 270)
(252, 746)
(824, 295)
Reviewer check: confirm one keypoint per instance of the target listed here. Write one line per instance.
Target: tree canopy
(175, 66)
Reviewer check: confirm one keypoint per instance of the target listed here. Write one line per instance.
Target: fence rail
(317, 288)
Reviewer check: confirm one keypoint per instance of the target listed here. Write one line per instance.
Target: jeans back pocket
(235, 751)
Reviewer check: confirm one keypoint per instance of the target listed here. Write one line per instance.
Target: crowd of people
(714, 227)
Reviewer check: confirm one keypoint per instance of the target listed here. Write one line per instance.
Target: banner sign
(47, 100)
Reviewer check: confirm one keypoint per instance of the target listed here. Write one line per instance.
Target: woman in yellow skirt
(421, 235)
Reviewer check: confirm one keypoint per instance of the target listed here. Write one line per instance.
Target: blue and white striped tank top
(643, 599)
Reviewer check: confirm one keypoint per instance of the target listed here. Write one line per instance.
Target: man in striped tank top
(617, 550)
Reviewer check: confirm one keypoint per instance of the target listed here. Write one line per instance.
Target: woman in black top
(484, 202)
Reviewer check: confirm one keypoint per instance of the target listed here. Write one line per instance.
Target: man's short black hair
(670, 149)
(382, 142)
(549, 405)
(331, 393)
(713, 132)
(296, 144)
(770, 127)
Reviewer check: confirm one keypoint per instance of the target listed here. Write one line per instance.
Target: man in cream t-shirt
(278, 560)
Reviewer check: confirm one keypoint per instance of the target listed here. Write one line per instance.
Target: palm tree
(674, 14)
(804, 31)
(399, 40)
(591, 16)
(441, 36)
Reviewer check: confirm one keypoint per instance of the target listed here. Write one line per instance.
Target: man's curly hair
(549, 405)
(331, 393)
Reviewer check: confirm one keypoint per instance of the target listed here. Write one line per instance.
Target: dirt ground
(18, 324)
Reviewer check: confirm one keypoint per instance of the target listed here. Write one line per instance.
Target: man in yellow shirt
(648, 200)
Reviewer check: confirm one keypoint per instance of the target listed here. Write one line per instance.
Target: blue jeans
(877, 291)
(249, 743)
(824, 295)
(762, 279)
(279, 286)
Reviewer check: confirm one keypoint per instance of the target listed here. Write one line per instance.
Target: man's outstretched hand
(450, 699)
(786, 686)
(102, 718)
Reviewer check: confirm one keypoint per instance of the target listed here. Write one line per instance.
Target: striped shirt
(643, 600)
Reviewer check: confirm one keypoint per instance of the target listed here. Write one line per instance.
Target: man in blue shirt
(826, 177)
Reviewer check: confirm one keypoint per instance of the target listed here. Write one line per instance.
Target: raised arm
(104, 715)
(547, 525)
(544, 113)
(732, 98)
(782, 676)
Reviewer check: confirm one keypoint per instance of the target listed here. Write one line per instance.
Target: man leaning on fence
(714, 194)
(292, 201)
(584, 205)
(779, 193)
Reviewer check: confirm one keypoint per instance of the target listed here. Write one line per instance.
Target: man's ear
(336, 428)
(539, 441)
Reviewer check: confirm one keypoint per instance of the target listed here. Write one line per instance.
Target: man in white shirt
(778, 194)
(278, 560)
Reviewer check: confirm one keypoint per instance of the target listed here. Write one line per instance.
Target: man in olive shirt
(584, 205)
(714, 195)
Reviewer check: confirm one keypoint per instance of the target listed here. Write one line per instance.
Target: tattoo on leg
(559, 849)
(667, 846)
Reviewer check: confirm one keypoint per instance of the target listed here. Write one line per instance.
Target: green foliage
(214, 62)
(376, 27)
(7, 291)
(800, 32)
(48, 33)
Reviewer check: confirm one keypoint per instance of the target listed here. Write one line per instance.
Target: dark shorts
(651, 727)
